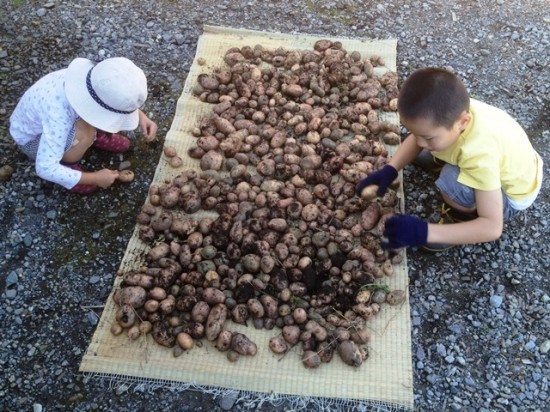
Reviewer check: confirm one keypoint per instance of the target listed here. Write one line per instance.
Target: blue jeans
(464, 195)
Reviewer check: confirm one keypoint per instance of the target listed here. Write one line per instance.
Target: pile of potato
(291, 246)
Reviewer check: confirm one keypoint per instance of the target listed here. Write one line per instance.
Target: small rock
(180, 39)
(28, 240)
(121, 389)
(545, 347)
(492, 384)
(41, 12)
(227, 401)
(3, 54)
(49, 5)
(12, 279)
(495, 301)
(51, 214)
(94, 279)
(11, 294)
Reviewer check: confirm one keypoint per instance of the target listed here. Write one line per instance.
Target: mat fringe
(247, 399)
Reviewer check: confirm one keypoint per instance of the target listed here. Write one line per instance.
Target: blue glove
(382, 178)
(405, 231)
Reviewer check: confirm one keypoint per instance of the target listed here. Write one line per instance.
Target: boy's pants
(465, 195)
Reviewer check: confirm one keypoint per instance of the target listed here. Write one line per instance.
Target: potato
(213, 296)
(291, 333)
(138, 279)
(311, 359)
(241, 344)
(271, 306)
(216, 320)
(175, 162)
(116, 329)
(125, 316)
(240, 314)
(200, 312)
(125, 176)
(157, 293)
(159, 251)
(255, 308)
(162, 335)
(5, 173)
(133, 333)
(170, 151)
(145, 327)
(396, 297)
(369, 192)
(151, 306)
(278, 344)
(349, 353)
(371, 216)
(134, 296)
(223, 342)
(360, 336)
(325, 351)
(185, 341)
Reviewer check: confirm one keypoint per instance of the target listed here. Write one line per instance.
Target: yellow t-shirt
(494, 152)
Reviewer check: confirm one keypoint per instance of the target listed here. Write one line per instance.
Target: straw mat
(384, 379)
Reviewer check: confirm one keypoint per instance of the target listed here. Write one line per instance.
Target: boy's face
(436, 138)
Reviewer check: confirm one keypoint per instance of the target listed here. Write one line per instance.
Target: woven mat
(384, 379)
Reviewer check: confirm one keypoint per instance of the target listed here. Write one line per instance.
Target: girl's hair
(433, 94)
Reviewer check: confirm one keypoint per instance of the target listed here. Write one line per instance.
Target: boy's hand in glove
(381, 178)
(405, 231)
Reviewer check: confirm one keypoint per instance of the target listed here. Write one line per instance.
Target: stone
(228, 400)
(495, 301)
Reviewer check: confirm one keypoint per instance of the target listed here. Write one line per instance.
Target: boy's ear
(464, 120)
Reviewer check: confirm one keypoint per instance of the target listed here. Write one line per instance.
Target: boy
(490, 170)
(68, 111)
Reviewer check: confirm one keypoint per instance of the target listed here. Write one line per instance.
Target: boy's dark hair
(434, 94)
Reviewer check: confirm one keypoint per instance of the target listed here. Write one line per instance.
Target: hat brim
(87, 108)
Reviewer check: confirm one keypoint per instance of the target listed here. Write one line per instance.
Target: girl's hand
(104, 178)
(148, 127)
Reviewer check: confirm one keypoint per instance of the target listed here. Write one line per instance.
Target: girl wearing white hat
(68, 111)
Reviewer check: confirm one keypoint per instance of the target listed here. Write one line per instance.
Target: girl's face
(436, 138)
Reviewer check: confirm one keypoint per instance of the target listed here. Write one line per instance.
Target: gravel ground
(479, 313)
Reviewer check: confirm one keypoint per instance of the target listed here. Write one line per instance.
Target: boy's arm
(488, 226)
(406, 153)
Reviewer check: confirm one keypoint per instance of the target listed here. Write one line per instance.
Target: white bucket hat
(108, 94)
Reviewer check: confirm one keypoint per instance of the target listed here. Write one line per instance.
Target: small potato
(125, 176)
(5, 173)
(369, 192)
(213, 296)
(170, 151)
(134, 333)
(311, 359)
(396, 297)
(291, 333)
(215, 322)
(349, 353)
(200, 312)
(145, 327)
(116, 329)
(278, 345)
(223, 342)
(241, 344)
(175, 162)
(131, 295)
(255, 308)
(185, 341)
(151, 306)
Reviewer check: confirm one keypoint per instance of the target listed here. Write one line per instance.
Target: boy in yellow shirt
(490, 170)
